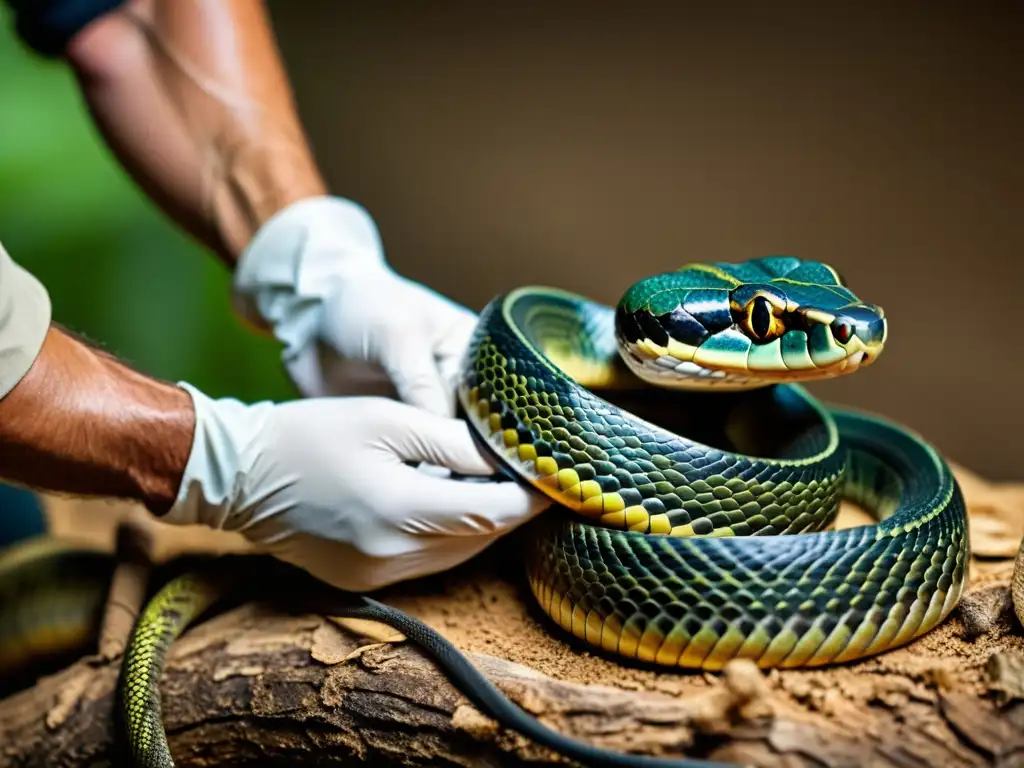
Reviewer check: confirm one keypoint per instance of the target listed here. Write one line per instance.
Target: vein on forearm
(224, 148)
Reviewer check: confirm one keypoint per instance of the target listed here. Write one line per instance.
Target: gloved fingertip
(503, 504)
(416, 378)
(431, 399)
(461, 453)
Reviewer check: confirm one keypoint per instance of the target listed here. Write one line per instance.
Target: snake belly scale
(695, 525)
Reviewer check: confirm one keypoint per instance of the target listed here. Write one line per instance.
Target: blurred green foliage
(117, 270)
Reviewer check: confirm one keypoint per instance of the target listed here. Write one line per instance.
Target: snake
(694, 486)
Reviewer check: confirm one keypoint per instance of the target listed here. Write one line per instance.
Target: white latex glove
(315, 273)
(322, 484)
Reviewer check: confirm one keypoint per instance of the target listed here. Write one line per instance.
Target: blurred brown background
(585, 146)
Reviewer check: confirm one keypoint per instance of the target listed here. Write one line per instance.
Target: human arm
(81, 422)
(324, 483)
(193, 100)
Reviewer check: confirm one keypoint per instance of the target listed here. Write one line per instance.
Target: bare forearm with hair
(192, 98)
(81, 422)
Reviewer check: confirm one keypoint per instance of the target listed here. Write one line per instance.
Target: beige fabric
(24, 320)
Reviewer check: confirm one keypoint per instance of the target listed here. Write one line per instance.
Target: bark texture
(252, 687)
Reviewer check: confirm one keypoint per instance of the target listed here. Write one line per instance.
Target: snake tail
(489, 699)
(184, 597)
(165, 616)
(52, 598)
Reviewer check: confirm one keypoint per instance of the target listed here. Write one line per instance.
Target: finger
(433, 505)
(441, 311)
(443, 442)
(410, 365)
(452, 329)
(450, 326)
(451, 352)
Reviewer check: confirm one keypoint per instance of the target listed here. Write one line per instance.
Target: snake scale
(698, 482)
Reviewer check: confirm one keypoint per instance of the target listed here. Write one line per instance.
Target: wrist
(154, 442)
(80, 422)
(226, 440)
(257, 182)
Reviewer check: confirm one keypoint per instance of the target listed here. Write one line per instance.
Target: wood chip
(980, 725)
(1006, 675)
(986, 609)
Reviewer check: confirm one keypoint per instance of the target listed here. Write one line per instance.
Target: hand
(316, 275)
(323, 483)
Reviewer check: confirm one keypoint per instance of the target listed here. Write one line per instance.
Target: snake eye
(760, 317)
(842, 331)
(761, 321)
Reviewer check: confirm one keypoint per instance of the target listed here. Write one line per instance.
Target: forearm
(81, 422)
(192, 98)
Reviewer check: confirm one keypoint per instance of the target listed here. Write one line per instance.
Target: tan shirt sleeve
(24, 320)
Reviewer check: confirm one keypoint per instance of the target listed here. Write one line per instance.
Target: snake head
(750, 324)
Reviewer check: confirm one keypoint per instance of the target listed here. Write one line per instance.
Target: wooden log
(258, 687)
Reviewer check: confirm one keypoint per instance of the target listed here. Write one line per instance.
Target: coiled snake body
(698, 518)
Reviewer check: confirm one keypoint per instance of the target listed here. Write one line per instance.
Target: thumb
(410, 365)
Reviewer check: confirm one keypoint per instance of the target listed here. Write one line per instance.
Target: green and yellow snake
(698, 479)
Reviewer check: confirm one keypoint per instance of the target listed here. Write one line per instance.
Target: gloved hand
(315, 274)
(322, 483)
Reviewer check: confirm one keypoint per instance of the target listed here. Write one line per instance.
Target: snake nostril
(878, 331)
